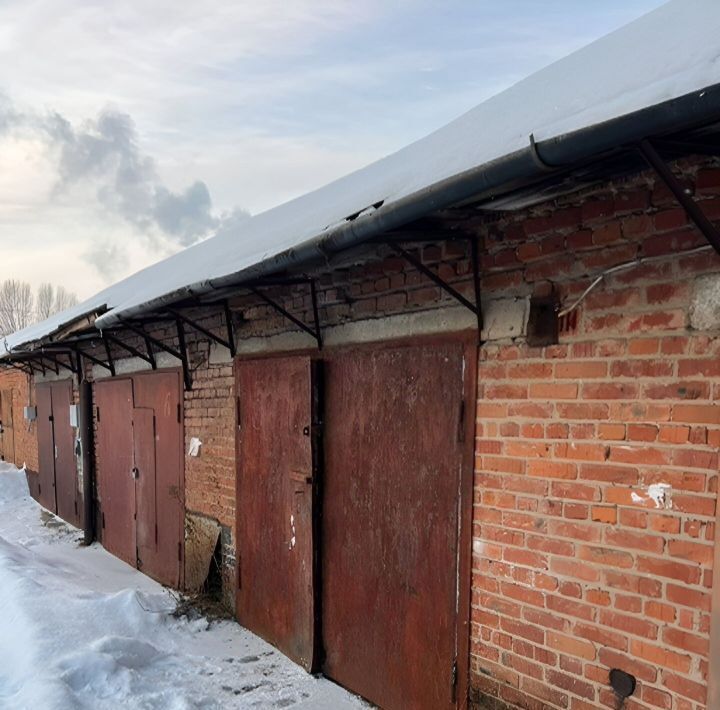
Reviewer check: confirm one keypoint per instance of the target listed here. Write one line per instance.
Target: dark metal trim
(686, 147)
(691, 207)
(229, 326)
(18, 366)
(316, 313)
(139, 330)
(412, 259)
(92, 358)
(201, 329)
(315, 332)
(183, 353)
(475, 256)
(129, 348)
(109, 354)
(56, 362)
(38, 362)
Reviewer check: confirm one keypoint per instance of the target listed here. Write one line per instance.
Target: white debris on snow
(81, 630)
(670, 52)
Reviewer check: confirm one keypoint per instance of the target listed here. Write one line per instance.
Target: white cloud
(235, 103)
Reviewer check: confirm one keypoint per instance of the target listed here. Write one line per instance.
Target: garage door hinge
(179, 413)
(237, 411)
(103, 519)
(97, 414)
(179, 551)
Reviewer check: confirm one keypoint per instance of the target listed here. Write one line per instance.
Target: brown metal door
(46, 448)
(393, 460)
(159, 451)
(7, 438)
(116, 484)
(144, 472)
(274, 498)
(66, 490)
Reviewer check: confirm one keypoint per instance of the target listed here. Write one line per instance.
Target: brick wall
(582, 560)
(576, 567)
(25, 433)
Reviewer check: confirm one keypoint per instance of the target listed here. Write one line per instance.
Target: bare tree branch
(16, 306)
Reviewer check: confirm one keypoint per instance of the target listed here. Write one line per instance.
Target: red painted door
(66, 483)
(275, 596)
(46, 448)
(116, 483)
(393, 460)
(144, 472)
(158, 448)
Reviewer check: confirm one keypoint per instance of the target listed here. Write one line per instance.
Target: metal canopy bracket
(229, 344)
(476, 307)
(130, 349)
(183, 353)
(313, 331)
(150, 341)
(108, 366)
(693, 209)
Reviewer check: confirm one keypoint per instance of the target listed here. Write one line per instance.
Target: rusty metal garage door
(46, 448)
(116, 485)
(158, 447)
(66, 480)
(57, 466)
(140, 471)
(7, 431)
(393, 461)
(275, 597)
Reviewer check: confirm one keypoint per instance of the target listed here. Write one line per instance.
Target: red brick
(687, 688)
(659, 656)
(581, 370)
(669, 569)
(696, 413)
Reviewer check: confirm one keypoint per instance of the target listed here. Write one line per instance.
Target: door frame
(471, 346)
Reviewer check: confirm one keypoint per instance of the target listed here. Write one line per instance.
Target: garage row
(353, 498)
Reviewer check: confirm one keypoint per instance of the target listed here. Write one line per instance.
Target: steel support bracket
(183, 353)
(476, 307)
(130, 349)
(179, 316)
(108, 354)
(109, 367)
(150, 341)
(315, 331)
(691, 207)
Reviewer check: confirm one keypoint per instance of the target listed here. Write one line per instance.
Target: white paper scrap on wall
(194, 448)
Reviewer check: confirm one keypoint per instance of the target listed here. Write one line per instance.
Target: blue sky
(122, 113)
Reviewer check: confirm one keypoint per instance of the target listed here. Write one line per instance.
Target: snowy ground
(80, 629)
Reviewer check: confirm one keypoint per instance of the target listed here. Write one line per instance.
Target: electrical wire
(623, 267)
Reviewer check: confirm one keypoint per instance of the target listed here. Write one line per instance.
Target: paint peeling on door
(292, 529)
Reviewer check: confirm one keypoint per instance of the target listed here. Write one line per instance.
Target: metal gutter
(684, 113)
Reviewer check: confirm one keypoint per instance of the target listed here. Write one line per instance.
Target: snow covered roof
(670, 53)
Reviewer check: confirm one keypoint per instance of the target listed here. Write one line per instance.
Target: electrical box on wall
(30, 413)
(74, 415)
